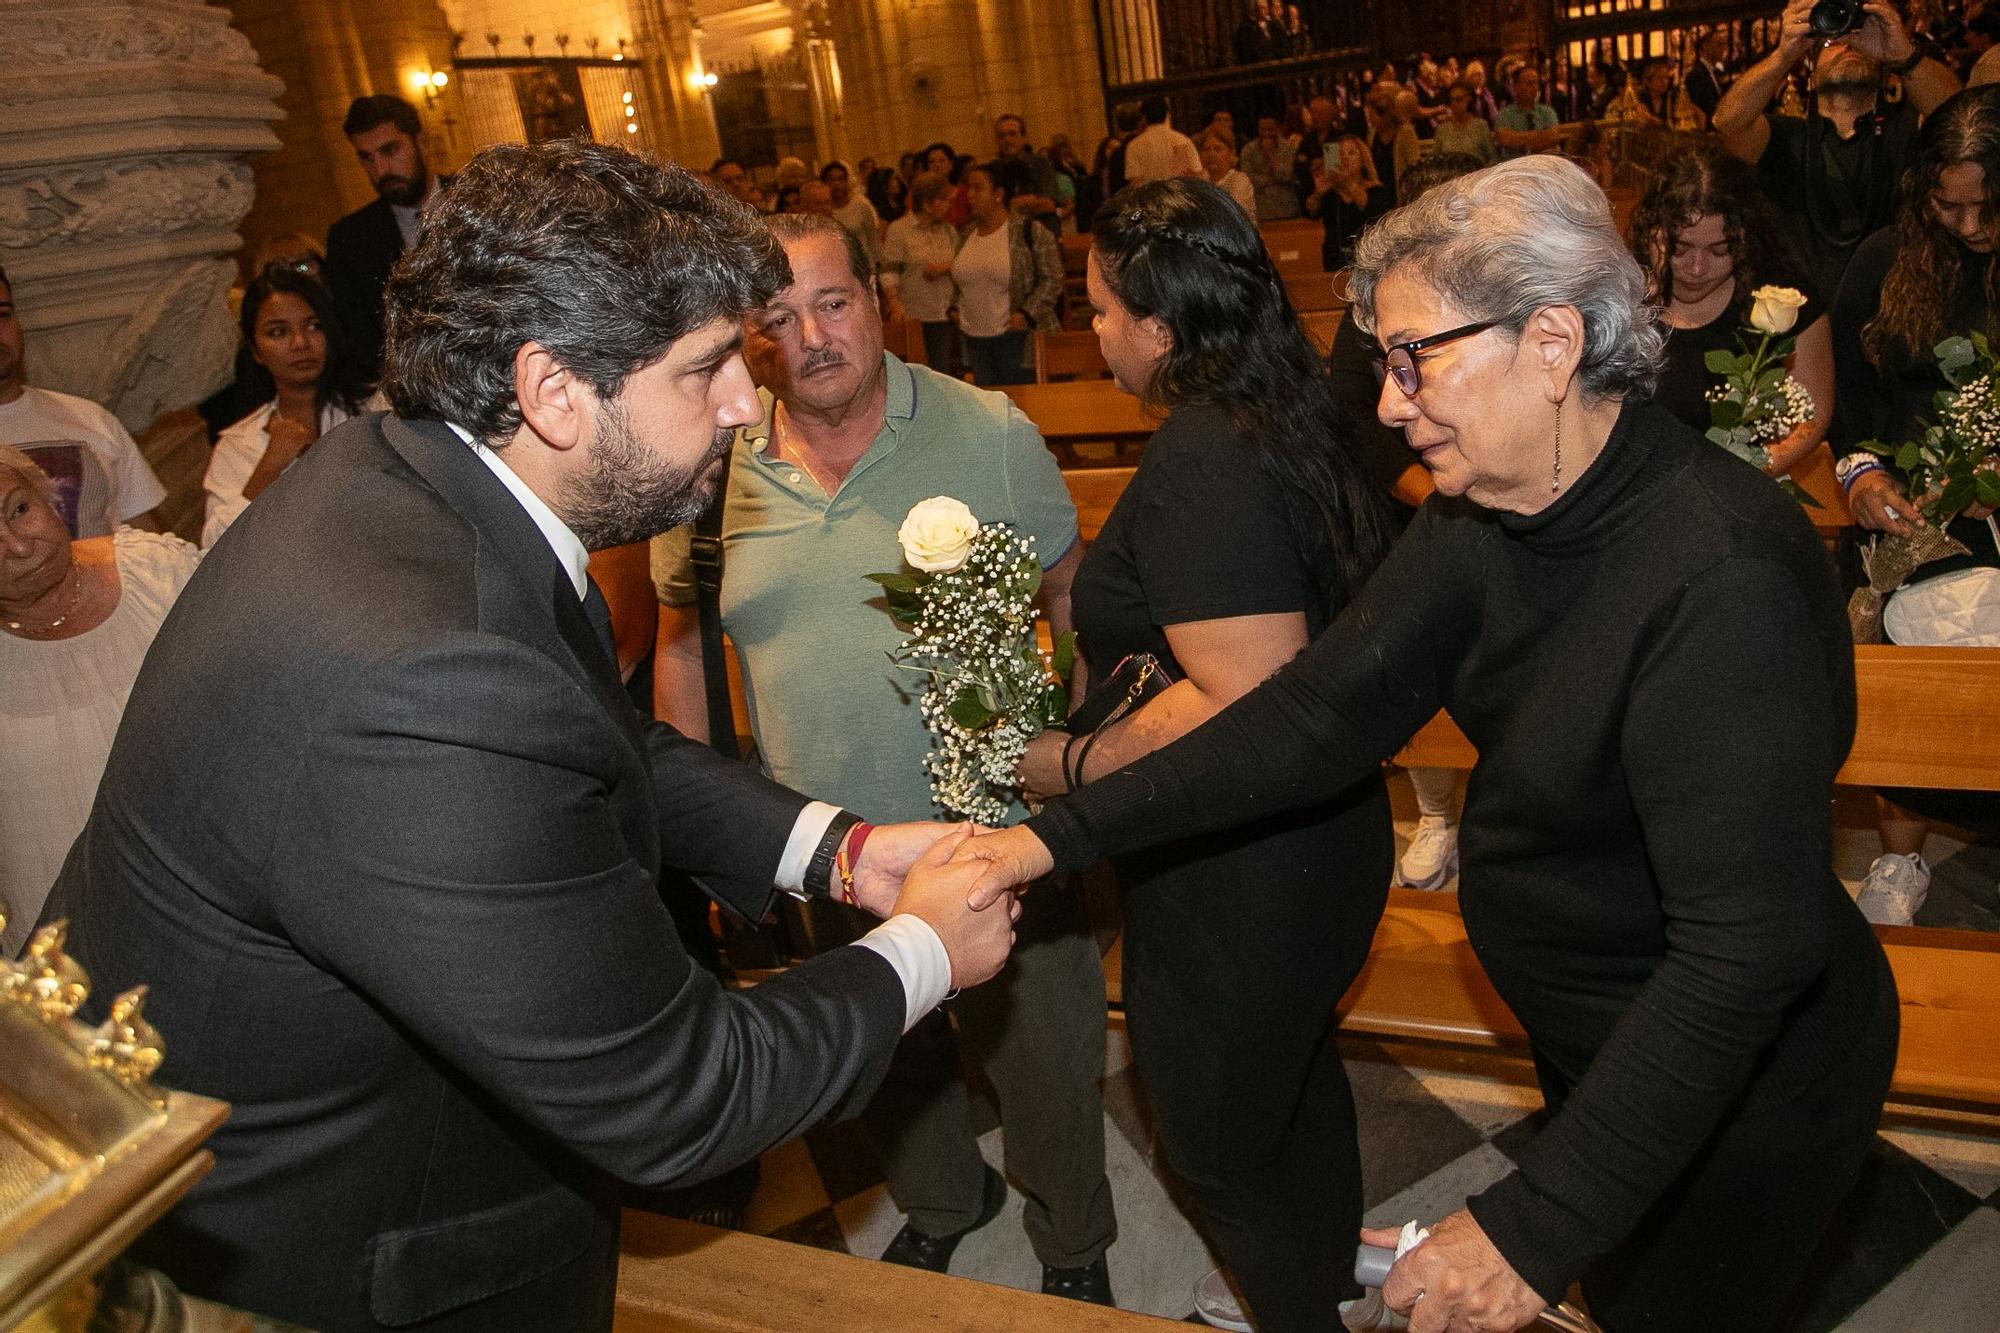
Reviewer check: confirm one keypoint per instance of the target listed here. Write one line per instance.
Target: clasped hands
(950, 875)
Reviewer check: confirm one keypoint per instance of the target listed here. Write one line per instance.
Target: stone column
(122, 181)
(683, 118)
(814, 32)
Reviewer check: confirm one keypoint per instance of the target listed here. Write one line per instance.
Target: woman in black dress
(1249, 524)
(1644, 640)
(1703, 234)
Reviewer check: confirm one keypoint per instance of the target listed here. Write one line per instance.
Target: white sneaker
(1432, 856)
(1216, 1303)
(1894, 889)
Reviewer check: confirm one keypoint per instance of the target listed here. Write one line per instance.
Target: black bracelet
(1069, 780)
(818, 879)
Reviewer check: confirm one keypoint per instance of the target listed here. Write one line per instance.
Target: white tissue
(1411, 1237)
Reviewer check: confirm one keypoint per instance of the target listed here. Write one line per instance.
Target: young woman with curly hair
(1705, 239)
(1929, 276)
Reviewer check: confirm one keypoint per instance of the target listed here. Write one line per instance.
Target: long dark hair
(1183, 251)
(340, 382)
(1701, 180)
(1919, 292)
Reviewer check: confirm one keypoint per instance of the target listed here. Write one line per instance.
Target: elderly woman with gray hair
(76, 618)
(1643, 638)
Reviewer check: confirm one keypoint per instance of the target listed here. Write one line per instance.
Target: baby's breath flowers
(1949, 465)
(969, 609)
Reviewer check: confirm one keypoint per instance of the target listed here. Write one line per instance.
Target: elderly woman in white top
(76, 618)
(294, 356)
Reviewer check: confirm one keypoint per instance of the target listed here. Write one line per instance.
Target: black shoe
(1092, 1282)
(913, 1249)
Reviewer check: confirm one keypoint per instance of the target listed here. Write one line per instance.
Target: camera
(1836, 18)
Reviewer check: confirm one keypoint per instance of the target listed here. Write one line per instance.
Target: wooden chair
(1924, 719)
(1068, 356)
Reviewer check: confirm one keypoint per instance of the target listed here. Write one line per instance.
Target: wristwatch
(818, 881)
(1901, 67)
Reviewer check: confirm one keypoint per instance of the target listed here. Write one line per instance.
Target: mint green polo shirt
(832, 716)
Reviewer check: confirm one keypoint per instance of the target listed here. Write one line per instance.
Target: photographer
(1834, 172)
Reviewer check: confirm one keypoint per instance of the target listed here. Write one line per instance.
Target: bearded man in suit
(384, 833)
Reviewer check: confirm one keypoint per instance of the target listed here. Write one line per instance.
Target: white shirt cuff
(806, 833)
(918, 955)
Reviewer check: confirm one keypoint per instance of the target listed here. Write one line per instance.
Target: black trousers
(1237, 948)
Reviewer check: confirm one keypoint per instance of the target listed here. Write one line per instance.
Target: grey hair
(1502, 243)
(14, 461)
(791, 228)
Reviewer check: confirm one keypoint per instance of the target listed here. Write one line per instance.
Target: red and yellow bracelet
(848, 857)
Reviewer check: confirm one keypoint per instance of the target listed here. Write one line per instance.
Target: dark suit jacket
(1704, 86)
(382, 831)
(361, 248)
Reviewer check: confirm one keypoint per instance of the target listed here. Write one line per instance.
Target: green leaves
(1064, 657)
(968, 710)
(904, 594)
(1722, 361)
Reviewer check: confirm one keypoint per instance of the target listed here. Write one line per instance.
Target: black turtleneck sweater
(1657, 674)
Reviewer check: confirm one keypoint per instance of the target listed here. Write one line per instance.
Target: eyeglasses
(1399, 362)
(308, 265)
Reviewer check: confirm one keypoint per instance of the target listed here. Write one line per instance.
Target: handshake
(962, 880)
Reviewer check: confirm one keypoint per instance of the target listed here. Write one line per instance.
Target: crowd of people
(383, 746)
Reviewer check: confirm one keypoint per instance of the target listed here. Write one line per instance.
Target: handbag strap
(705, 550)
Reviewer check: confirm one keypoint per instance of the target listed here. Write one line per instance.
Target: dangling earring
(1556, 482)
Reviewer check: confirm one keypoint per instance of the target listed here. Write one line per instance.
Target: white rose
(1774, 310)
(937, 534)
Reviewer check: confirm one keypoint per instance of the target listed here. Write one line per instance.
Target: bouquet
(1947, 467)
(1945, 464)
(967, 605)
(1758, 402)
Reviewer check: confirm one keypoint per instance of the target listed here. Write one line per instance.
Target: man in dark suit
(383, 831)
(362, 247)
(1708, 77)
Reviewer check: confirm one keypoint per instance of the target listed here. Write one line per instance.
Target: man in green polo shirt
(853, 437)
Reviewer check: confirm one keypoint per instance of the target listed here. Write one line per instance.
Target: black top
(1832, 191)
(1198, 534)
(1685, 379)
(1657, 675)
(1886, 402)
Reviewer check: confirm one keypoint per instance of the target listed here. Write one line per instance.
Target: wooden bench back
(1094, 490)
(1924, 718)
(1069, 355)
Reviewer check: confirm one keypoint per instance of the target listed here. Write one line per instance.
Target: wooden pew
(682, 1277)
(1093, 490)
(1925, 719)
(1320, 326)
(1315, 291)
(1069, 355)
(1084, 412)
(906, 339)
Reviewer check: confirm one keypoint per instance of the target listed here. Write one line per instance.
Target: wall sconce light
(429, 82)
